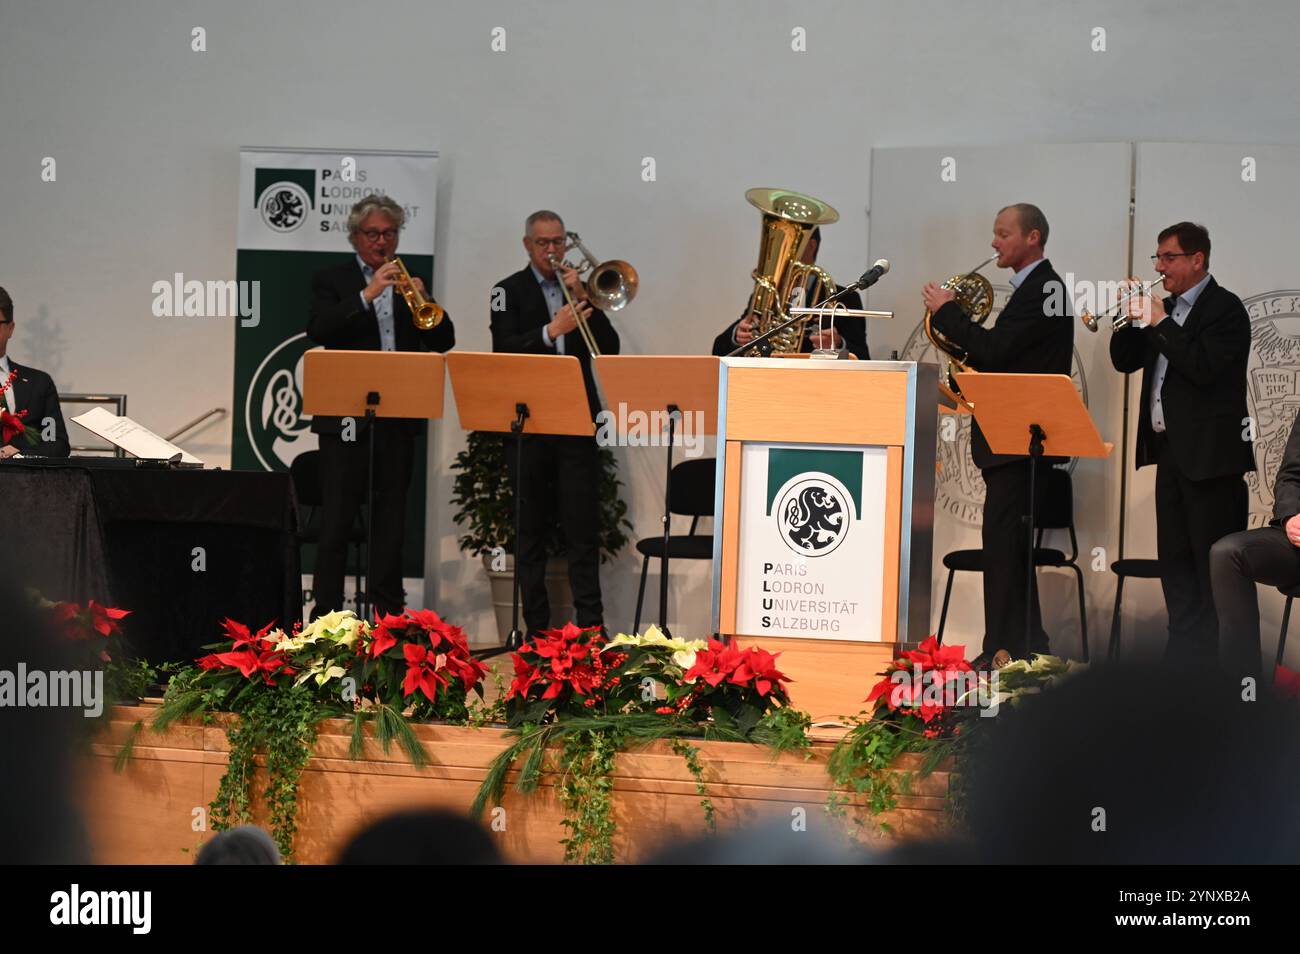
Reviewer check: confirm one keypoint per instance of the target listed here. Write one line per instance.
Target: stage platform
(147, 813)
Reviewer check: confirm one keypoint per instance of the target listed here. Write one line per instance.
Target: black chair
(1054, 512)
(304, 471)
(1140, 569)
(1290, 592)
(691, 495)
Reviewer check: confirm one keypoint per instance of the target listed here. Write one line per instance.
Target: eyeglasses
(1167, 257)
(375, 235)
(557, 242)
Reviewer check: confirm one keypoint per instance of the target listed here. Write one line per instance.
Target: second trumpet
(1118, 315)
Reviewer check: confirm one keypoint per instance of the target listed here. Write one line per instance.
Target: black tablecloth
(127, 537)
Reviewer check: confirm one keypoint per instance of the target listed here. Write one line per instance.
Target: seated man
(842, 334)
(32, 391)
(1269, 555)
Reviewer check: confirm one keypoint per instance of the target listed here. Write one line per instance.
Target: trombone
(610, 285)
(425, 313)
(1118, 315)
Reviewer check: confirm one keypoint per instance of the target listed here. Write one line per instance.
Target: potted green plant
(484, 502)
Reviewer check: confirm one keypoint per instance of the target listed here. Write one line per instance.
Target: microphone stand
(762, 341)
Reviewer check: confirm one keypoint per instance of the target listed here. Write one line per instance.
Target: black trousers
(343, 466)
(1237, 563)
(1006, 557)
(1191, 516)
(560, 481)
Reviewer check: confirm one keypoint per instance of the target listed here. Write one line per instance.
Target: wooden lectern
(825, 510)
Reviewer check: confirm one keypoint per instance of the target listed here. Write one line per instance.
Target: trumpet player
(1192, 348)
(560, 478)
(1031, 335)
(353, 307)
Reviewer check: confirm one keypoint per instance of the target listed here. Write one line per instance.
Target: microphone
(872, 274)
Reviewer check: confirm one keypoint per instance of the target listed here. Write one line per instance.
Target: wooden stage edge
(151, 812)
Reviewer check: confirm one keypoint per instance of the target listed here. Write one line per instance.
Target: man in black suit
(1193, 425)
(1269, 555)
(358, 306)
(560, 476)
(32, 391)
(1034, 334)
(845, 334)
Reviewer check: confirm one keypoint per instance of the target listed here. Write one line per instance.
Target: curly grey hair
(375, 203)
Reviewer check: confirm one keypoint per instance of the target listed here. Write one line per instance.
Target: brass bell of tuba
(974, 294)
(789, 219)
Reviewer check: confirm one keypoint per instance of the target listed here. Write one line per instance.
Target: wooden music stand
(1034, 414)
(670, 385)
(367, 385)
(499, 393)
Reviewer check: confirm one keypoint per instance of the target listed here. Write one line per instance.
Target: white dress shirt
(383, 305)
(554, 296)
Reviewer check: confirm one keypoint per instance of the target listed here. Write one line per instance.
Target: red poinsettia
(92, 622)
(250, 653)
(747, 667)
(916, 678)
(559, 659)
(434, 650)
(13, 425)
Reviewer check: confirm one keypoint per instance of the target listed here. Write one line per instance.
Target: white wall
(145, 134)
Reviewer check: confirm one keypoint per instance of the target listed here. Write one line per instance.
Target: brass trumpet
(1120, 319)
(425, 313)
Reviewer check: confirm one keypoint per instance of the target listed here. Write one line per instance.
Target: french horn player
(1027, 337)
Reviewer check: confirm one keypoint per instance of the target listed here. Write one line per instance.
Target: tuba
(974, 294)
(425, 313)
(788, 222)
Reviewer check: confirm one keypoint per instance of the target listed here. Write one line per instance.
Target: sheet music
(136, 439)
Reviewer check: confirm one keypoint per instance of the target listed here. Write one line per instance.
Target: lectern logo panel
(814, 514)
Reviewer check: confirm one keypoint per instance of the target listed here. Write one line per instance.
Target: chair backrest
(1056, 504)
(692, 489)
(304, 471)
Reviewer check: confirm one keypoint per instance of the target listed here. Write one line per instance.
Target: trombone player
(1027, 338)
(560, 479)
(353, 307)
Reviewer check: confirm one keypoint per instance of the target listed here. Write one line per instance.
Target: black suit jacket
(35, 392)
(338, 320)
(1033, 334)
(1286, 488)
(1204, 393)
(522, 314)
(852, 330)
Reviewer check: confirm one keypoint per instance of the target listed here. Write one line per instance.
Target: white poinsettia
(341, 626)
(683, 650)
(322, 672)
